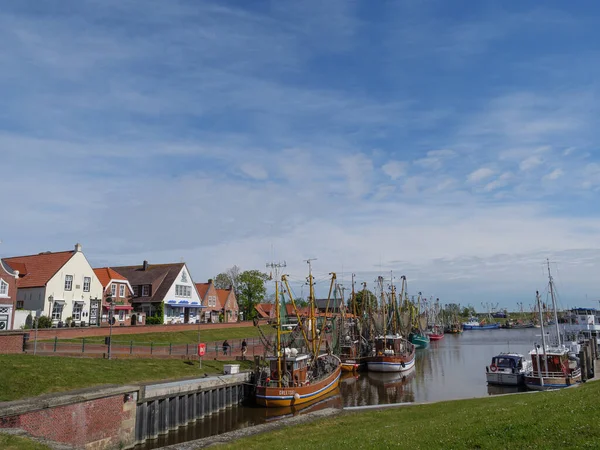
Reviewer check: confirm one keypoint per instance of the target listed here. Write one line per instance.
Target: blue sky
(453, 142)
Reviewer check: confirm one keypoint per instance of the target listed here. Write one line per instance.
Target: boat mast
(383, 308)
(539, 302)
(353, 299)
(551, 282)
(311, 305)
(276, 268)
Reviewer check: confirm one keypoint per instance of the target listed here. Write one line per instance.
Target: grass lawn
(181, 337)
(27, 375)
(10, 442)
(550, 420)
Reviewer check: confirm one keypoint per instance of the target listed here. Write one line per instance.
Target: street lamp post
(111, 311)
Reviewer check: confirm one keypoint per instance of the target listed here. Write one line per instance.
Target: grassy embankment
(181, 337)
(10, 442)
(27, 376)
(549, 420)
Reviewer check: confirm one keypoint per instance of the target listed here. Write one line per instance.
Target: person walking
(225, 347)
(244, 348)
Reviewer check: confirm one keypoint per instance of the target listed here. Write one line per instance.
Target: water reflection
(449, 369)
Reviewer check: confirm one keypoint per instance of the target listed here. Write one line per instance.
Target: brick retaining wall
(96, 420)
(11, 342)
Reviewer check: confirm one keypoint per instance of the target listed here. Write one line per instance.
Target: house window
(113, 290)
(87, 281)
(121, 315)
(20, 304)
(146, 290)
(136, 291)
(122, 290)
(3, 288)
(212, 300)
(77, 308)
(57, 310)
(68, 282)
(183, 291)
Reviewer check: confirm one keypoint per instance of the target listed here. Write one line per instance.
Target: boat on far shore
(475, 324)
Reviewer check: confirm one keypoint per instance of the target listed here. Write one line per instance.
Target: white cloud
(567, 151)
(480, 175)
(554, 175)
(499, 182)
(435, 159)
(255, 171)
(394, 169)
(530, 163)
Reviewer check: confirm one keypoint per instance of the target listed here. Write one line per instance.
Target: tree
(230, 279)
(251, 290)
(365, 295)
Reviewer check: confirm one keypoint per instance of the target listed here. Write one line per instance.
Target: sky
(453, 142)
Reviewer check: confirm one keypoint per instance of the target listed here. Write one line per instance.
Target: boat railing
(543, 373)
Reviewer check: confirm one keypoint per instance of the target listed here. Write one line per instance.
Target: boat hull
(489, 326)
(351, 365)
(550, 383)
(436, 337)
(505, 379)
(419, 340)
(391, 363)
(292, 396)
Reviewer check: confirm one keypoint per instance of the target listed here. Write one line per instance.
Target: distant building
(210, 302)
(230, 307)
(62, 285)
(8, 296)
(163, 286)
(116, 287)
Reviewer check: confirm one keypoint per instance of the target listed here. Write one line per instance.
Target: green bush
(44, 322)
(154, 320)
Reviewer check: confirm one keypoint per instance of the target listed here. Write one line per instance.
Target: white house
(61, 284)
(8, 295)
(166, 286)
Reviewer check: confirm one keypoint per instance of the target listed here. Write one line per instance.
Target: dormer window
(146, 290)
(3, 288)
(122, 290)
(113, 290)
(136, 291)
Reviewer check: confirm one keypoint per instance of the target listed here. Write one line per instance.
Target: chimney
(210, 280)
(77, 248)
(145, 265)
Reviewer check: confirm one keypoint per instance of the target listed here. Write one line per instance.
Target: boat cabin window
(504, 362)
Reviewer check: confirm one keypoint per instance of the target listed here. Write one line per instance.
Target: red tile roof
(222, 294)
(202, 288)
(36, 270)
(105, 274)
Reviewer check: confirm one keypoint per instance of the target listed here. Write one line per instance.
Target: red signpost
(201, 349)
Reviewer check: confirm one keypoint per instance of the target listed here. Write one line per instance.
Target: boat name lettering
(286, 392)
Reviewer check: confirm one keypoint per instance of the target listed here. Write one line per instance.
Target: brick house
(61, 285)
(230, 308)
(117, 287)
(210, 302)
(166, 287)
(8, 296)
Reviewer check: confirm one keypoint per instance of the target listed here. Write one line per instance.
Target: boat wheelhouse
(553, 368)
(507, 369)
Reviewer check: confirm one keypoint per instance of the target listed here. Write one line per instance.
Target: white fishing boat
(554, 364)
(508, 369)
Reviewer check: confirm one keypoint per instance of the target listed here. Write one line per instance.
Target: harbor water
(453, 368)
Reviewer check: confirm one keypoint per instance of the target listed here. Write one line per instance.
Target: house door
(94, 307)
(186, 315)
(134, 319)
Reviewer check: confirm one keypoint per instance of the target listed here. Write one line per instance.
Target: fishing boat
(508, 369)
(554, 365)
(417, 336)
(392, 353)
(475, 324)
(435, 331)
(350, 343)
(292, 378)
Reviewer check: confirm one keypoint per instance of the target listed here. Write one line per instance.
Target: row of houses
(64, 287)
